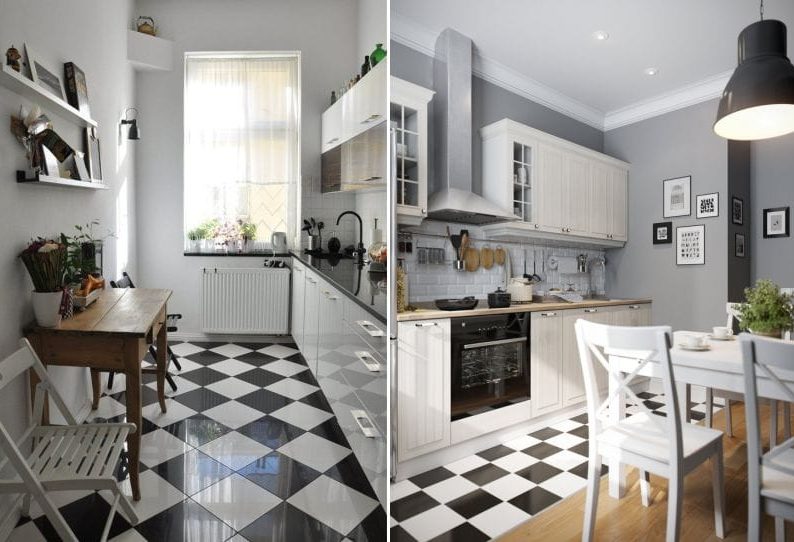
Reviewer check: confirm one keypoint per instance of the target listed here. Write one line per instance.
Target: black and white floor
(249, 450)
(485, 495)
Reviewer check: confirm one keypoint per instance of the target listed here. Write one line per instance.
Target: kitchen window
(242, 147)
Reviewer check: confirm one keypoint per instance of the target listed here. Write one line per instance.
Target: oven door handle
(495, 343)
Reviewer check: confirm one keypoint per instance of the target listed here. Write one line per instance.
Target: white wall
(371, 26)
(325, 33)
(91, 33)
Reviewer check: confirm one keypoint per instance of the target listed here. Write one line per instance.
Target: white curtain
(242, 148)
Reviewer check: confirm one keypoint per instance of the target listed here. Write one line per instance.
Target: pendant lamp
(758, 101)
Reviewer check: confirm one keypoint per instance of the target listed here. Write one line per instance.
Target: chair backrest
(732, 310)
(768, 373)
(124, 282)
(603, 345)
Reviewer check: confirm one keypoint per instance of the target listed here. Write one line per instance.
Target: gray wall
(739, 177)
(772, 186)
(328, 59)
(673, 145)
(491, 103)
(93, 34)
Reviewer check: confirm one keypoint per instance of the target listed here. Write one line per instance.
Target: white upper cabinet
(408, 112)
(360, 108)
(557, 189)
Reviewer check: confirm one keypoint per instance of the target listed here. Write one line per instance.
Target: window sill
(256, 254)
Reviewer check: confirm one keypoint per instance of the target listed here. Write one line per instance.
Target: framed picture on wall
(93, 158)
(677, 197)
(776, 222)
(662, 233)
(707, 205)
(690, 247)
(737, 211)
(739, 249)
(44, 77)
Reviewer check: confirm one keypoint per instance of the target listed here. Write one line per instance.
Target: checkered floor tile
(241, 454)
(485, 495)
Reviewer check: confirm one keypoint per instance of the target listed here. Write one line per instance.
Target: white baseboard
(187, 336)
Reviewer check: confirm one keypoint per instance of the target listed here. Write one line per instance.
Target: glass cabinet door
(523, 170)
(407, 134)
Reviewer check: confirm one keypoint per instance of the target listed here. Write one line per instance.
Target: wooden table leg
(133, 353)
(35, 342)
(162, 365)
(96, 388)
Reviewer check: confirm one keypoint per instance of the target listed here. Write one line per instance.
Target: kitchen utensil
(278, 240)
(499, 255)
(460, 265)
(314, 243)
(314, 224)
(520, 290)
(526, 276)
(535, 277)
(472, 259)
(462, 304)
(498, 299)
(486, 257)
(334, 244)
(464, 242)
(581, 263)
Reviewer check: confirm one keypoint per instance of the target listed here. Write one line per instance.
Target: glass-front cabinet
(408, 113)
(523, 164)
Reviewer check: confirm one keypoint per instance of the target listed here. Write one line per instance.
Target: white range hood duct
(454, 200)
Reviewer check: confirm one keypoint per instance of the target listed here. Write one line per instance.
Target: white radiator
(245, 301)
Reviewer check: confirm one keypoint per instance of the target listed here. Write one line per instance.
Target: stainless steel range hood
(454, 200)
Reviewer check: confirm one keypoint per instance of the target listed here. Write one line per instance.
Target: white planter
(194, 245)
(46, 306)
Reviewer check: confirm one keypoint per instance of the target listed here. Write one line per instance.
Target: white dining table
(719, 367)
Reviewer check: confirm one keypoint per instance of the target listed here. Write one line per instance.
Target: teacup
(721, 332)
(694, 341)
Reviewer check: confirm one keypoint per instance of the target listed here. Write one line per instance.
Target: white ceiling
(545, 49)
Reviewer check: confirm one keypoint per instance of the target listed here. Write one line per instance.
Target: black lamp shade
(134, 133)
(758, 101)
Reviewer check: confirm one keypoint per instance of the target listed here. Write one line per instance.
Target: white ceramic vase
(46, 306)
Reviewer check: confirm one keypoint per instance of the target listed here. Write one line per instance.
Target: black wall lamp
(134, 133)
(758, 101)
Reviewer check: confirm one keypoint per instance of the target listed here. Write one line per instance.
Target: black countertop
(365, 288)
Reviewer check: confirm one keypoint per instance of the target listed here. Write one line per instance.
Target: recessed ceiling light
(651, 71)
(600, 35)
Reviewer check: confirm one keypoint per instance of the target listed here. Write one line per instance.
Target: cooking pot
(498, 299)
(520, 290)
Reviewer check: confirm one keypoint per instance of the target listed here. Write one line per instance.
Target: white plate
(702, 348)
(726, 338)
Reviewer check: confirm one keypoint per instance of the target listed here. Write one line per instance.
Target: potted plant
(195, 238)
(247, 234)
(207, 231)
(766, 311)
(45, 261)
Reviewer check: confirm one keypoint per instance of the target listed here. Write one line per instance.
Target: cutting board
(486, 257)
(472, 259)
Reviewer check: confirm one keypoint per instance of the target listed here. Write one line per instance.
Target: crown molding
(695, 93)
(411, 34)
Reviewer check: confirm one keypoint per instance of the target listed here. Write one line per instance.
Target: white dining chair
(770, 476)
(62, 457)
(660, 445)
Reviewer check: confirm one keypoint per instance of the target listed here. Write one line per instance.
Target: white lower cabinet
(311, 320)
(546, 354)
(423, 388)
(572, 375)
(298, 301)
(632, 315)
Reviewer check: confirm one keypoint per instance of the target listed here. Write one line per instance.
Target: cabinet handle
(591, 310)
(426, 324)
(329, 296)
(424, 211)
(334, 140)
(371, 329)
(365, 424)
(548, 314)
(371, 118)
(298, 270)
(537, 226)
(311, 280)
(369, 361)
(634, 307)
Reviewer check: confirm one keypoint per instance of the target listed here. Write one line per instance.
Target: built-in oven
(490, 363)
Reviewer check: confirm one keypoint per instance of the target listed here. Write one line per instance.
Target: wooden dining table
(113, 334)
(719, 367)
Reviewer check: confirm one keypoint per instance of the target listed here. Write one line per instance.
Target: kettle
(278, 240)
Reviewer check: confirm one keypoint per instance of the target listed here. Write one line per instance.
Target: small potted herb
(767, 311)
(247, 234)
(45, 261)
(195, 238)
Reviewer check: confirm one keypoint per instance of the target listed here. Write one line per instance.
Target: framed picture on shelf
(677, 197)
(707, 205)
(776, 222)
(690, 248)
(739, 249)
(82, 168)
(44, 77)
(76, 88)
(93, 157)
(49, 163)
(737, 211)
(662, 233)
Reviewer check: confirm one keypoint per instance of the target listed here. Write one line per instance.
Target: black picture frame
(674, 207)
(737, 211)
(739, 245)
(663, 233)
(683, 254)
(707, 205)
(777, 222)
(76, 88)
(93, 155)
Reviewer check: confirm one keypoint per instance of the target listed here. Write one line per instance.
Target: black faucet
(360, 247)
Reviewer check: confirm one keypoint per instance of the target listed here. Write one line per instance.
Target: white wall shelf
(47, 180)
(149, 53)
(18, 83)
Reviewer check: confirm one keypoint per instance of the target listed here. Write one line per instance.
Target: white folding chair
(767, 363)
(62, 457)
(663, 446)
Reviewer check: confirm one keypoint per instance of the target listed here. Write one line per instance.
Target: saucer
(701, 348)
(725, 338)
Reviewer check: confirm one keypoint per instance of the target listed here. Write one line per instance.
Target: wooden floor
(626, 520)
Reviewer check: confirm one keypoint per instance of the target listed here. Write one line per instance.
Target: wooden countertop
(427, 311)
